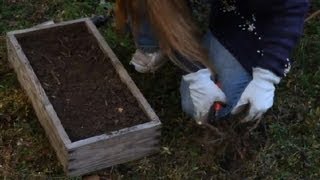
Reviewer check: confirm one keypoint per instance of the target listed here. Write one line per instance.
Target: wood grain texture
(19, 33)
(115, 150)
(111, 135)
(41, 104)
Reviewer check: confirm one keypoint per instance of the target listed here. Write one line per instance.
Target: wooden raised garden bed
(92, 112)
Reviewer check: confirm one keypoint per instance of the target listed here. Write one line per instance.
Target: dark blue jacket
(259, 33)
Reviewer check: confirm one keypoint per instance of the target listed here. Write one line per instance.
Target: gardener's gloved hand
(259, 94)
(203, 92)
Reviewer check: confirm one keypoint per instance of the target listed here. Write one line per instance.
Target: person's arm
(281, 30)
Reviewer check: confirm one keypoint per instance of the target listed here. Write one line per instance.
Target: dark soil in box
(80, 81)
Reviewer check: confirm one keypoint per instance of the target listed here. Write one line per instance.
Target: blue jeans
(145, 40)
(232, 76)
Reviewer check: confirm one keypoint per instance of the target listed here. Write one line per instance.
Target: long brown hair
(172, 23)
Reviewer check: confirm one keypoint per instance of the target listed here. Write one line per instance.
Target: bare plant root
(313, 15)
(233, 141)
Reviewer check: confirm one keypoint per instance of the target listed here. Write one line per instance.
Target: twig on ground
(68, 54)
(215, 141)
(46, 58)
(255, 125)
(314, 14)
(214, 129)
(62, 44)
(55, 77)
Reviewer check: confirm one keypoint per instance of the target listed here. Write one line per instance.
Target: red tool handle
(218, 105)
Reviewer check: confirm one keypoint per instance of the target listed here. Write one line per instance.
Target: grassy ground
(289, 149)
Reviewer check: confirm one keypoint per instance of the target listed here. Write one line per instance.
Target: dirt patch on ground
(237, 143)
(80, 82)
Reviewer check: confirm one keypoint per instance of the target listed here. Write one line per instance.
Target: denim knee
(232, 76)
(146, 40)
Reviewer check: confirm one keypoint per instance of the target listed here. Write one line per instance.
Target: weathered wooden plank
(126, 156)
(113, 151)
(19, 33)
(124, 76)
(112, 154)
(45, 23)
(43, 108)
(97, 162)
(125, 138)
(110, 135)
(108, 151)
(24, 66)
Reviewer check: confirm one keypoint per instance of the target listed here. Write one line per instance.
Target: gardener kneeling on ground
(246, 48)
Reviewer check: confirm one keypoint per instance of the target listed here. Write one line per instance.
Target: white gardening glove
(258, 94)
(204, 92)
